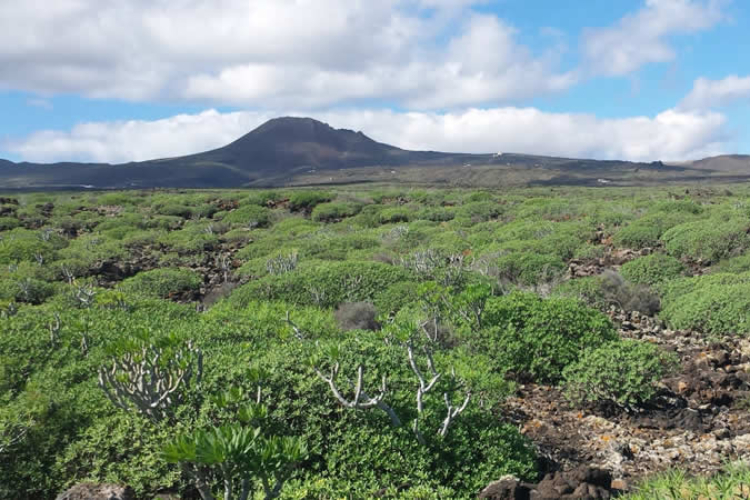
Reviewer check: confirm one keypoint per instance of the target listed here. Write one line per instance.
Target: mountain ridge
(304, 151)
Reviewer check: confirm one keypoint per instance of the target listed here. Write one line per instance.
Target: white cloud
(670, 135)
(643, 37)
(136, 140)
(707, 94)
(301, 53)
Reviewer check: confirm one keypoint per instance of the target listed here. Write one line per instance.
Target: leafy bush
(735, 265)
(162, 283)
(249, 216)
(647, 231)
(478, 211)
(324, 284)
(709, 239)
(717, 303)
(528, 269)
(8, 223)
(652, 269)
(538, 337)
(33, 291)
(307, 200)
(394, 215)
(624, 373)
(328, 212)
(397, 296)
(21, 245)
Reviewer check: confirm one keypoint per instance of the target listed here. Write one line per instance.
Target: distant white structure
(499, 153)
(603, 181)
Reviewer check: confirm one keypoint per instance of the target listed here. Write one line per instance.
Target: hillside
(302, 151)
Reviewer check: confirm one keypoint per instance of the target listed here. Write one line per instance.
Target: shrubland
(308, 344)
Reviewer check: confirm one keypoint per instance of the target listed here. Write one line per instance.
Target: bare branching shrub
(357, 316)
(628, 296)
(283, 263)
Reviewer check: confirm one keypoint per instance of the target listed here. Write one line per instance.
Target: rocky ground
(699, 421)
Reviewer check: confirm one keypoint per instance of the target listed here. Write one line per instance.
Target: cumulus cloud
(302, 53)
(670, 135)
(643, 37)
(708, 94)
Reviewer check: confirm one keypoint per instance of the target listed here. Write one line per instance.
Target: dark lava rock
(507, 489)
(582, 483)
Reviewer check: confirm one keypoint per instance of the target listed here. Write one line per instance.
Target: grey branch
(297, 331)
(362, 400)
(154, 388)
(452, 412)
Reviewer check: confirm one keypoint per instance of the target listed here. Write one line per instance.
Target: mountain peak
(295, 142)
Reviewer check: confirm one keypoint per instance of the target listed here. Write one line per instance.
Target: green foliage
(478, 211)
(249, 216)
(717, 303)
(324, 284)
(162, 283)
(652, 269)
(731, 483)
(710, 239)
(624, 373)
(528, 269)
(647, 231)
(397, 296)
(8, 223)
(21, 245)
(540, 337)
(335, 211)
(307, 200)
(394, 215)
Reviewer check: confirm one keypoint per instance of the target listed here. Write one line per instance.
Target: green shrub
(324, 284)
(652, 269)
(709, 239)
(8, 223)
(478, 211)
(394, 215)
(538, 337)
(647, 231)
(335, 211)
(307, 200)
(735, 265)
(436, 214)
(528, 269)
(162, 283)
(396, 297)
(718, 303)
(21, 245)
(30, 290)
(624, 373)
(249, 216)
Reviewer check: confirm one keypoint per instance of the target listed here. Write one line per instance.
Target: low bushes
(717, 303)
(162, 283)
(647, 231)
(652, 269)
(307, 200)
(539, 338)
(624, 373)
(249, 216)
(326, 284)
(710, 239)
(335, 211)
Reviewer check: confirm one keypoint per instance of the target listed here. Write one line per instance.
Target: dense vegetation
(308, 344)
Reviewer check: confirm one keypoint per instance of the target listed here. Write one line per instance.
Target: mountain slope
(303, 151)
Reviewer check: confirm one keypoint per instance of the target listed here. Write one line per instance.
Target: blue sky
(132, 80)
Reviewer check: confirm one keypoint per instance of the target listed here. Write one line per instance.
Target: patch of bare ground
(699, 420)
